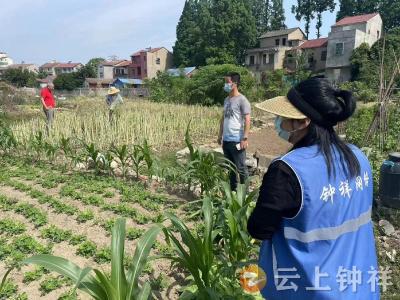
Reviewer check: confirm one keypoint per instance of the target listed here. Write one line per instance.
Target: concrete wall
(108, 72)
(338, 75)
(270, 41)
(275, 59)
(297, 35)
(374, 30)
(348, 38)
(165, 62)
(318, 64)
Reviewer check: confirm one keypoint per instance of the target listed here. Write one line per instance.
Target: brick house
(346, 35)
(146, 63)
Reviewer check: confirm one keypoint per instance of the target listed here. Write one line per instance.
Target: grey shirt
(235, 110)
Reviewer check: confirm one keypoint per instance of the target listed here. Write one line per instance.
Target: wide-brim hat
(113, 90)
(281, 106)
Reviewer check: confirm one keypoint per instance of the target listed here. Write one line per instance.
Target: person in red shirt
(49, 104)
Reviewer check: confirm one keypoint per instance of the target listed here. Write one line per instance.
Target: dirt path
(267, 142)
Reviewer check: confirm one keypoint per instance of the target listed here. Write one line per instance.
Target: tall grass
(163, 125)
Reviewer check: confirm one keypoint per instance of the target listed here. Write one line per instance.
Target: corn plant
(234, 212)
(207, 171)
(50, 150)
(148, 158)
(123, 155)
(195, 253)
(212, 276)
(94, 156)
(36, 143)
(7, 139)
(137, 158)
(121, 284)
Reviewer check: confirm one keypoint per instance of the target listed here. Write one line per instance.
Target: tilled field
(43, 210)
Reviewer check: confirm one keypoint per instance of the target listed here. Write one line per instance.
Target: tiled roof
(151, 50)
(116, 63)
(355, 19)
(111, 62)
(50, 65)
(124, 63)
(67, 65)
(60, 65)
(279, 32)
(317, 43)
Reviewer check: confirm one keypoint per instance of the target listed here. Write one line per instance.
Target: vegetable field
(71, 215)
(93, 210)
(162, 125)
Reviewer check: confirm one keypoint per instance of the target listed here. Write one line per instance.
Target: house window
(251, 60)
(265, 59)
(271, 58)
(311, 58)
(277, 42)
(378, 34)
(158, 61)
(290, 44)
(139, 71)
(284, 41)
(339, 49)
(324, 55)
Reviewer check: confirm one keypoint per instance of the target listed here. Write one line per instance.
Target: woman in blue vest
(313, 213)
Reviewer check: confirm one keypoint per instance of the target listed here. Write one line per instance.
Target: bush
(361, 91)
(357, 127)
(275, 83)
(205, 87)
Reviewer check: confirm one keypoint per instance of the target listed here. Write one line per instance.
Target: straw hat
(281, 106)
(113, 90)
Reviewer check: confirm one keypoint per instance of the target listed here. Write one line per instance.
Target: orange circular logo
(252, 278)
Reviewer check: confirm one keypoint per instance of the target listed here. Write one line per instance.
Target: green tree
(320, 7)
(277, 17)
(360, 61)
(187, 33)
(66, 82)
(233, 31)
(366, 63)
(211, 31)
(206, 86)
(261, 13)
(93, 64)
(304, 10)
(20, 78)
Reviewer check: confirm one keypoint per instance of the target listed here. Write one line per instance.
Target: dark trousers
(238, 158)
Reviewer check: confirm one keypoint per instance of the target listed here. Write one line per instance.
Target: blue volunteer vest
(327, 251)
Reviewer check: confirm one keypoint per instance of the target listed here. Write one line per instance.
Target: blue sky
(77, 30)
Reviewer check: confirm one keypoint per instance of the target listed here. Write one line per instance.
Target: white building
(5, 62)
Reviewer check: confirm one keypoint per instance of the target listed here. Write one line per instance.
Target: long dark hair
(327, 106)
